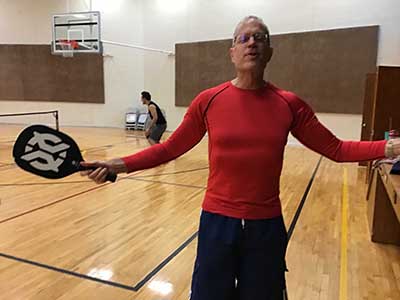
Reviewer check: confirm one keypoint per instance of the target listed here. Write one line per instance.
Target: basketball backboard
(76, 33)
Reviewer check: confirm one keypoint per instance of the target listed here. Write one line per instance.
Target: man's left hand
(392, 148)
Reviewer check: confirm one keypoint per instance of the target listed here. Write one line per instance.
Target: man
(242, 238)
(158, 123)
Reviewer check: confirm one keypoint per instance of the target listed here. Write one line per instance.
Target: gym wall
(32, 73)
(325, 68)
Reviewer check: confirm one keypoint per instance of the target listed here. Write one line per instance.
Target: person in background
(158, 124)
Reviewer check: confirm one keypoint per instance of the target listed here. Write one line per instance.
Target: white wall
(29, 22)
(152, 23)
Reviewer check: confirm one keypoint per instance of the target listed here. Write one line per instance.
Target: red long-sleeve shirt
(247, 132)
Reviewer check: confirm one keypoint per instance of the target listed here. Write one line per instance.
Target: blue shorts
(239, 259)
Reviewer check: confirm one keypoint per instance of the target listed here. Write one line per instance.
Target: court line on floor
(136, 137)
(97, 148)
(343, 243)
(7, 164)
(169, 183)
(107, 146)
(63, 199)
(135, 175)
(134, 288)
(130, 177)
(303, 200)
(65, 271)
(5, 142)
(300, 208)
(52, 203)
(172, 173)
(165, 261)
(42, 183)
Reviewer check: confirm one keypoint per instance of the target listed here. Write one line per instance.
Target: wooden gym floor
(136, 238)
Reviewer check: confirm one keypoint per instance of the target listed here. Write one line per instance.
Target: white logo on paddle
(41, 139)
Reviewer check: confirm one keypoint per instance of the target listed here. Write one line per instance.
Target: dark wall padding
(325, 68)
(386, 113)
(32, 73)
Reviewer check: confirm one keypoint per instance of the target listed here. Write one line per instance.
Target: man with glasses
(242, 237)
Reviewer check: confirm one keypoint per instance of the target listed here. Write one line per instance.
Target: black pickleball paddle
(49, 153)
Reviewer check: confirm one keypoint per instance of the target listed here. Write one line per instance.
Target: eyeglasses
(244, 37)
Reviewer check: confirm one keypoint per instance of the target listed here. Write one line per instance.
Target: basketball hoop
(82, 29)
(68, 48)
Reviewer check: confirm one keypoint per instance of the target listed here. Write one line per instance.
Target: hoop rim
(72, 44)
(68, 47)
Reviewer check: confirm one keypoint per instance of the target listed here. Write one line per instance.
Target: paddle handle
(110, 176)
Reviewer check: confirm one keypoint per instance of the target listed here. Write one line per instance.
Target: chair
(142, 121)
(131, 120)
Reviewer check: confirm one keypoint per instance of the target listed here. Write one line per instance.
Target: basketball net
(68, 47)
